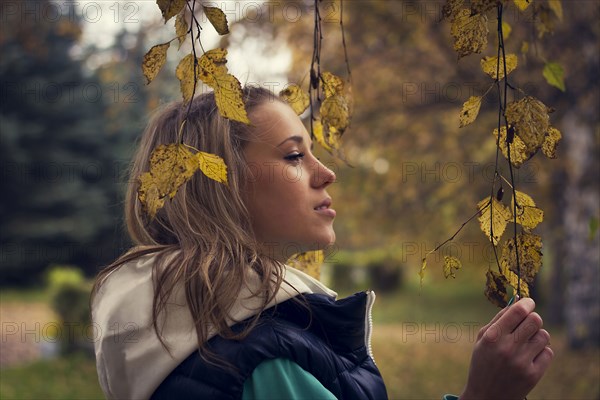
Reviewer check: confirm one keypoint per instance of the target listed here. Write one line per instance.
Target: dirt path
(26, 332)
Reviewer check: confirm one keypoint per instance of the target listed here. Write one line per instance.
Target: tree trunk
(582, 250)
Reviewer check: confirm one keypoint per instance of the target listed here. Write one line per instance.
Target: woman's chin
(323, 242)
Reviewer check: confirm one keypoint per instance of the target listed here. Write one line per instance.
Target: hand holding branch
(511, 355)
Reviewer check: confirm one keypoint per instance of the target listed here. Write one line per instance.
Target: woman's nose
(323, 176)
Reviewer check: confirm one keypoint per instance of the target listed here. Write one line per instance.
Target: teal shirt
(281, 378)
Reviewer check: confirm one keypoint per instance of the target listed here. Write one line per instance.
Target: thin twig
(479, 211)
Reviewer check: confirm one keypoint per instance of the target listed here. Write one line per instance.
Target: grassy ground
(422, 343)
(72, 377)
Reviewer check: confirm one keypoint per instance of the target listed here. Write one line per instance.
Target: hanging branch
(509, 141)
(522, 130)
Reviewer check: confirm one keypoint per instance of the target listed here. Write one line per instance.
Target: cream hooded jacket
(130, 359)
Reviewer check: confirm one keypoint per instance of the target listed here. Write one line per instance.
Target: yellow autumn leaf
(212, 166)
(495, 289)
(470, 110)
(422, 271)
(217, 56)
(489, 65)
(452, 8)
(528, 215)
(181, 28)
(153, 61)
(332, 84)
(217, 18)
(531, 122)
(551, 140)
(228, 90)
(309, 262)
(506, 30)
(333, 137)
(229, 98)
(470, 33)
(185, 74)
(171, 166)
(212, 64)
(149, 195)
(522, 4)
(514, 281)
(334, 114)
(525, 47)
(170, 8)
(530, 256)
(556, 7)
(211, 70)
(518, 150)
(493, 218)
(297, 98)
(319, 136)
(451, 264)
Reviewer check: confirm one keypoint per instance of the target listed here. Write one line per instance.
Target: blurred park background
(74, 100)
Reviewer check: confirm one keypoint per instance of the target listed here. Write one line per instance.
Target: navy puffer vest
(328, 341)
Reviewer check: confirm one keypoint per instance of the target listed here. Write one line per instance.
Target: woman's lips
(330, 212)
(324, 209)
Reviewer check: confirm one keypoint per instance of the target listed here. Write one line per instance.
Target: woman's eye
(294, 157)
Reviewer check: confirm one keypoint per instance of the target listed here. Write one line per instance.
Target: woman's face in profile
(286, 194)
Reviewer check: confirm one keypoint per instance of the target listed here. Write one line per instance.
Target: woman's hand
(510, 356)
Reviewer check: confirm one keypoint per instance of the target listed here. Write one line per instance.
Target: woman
(205, 307)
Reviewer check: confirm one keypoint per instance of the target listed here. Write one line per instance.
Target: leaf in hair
(170, 167)
(212, 166)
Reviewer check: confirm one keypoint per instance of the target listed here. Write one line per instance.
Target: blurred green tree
(59, 171)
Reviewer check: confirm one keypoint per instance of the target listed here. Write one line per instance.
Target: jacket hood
(130, 359)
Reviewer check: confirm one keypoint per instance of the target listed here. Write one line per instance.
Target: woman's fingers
(542, 361)
(537, 343)
(528, 327)
(514, 315)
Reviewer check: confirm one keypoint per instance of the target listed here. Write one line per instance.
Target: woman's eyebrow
(296, 138)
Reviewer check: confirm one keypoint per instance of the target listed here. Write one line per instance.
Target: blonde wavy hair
(203, 237)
